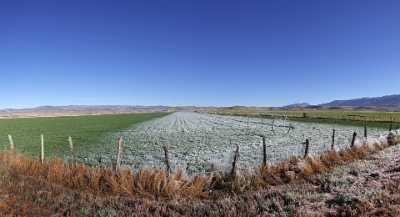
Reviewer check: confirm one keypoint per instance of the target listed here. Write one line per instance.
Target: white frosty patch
(198, 141)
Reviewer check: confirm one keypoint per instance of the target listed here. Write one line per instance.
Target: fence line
(391, 140)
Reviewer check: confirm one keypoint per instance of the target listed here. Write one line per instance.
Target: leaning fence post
(167, 163)
(264, 151)
(71, 148)
(307, 149)
(234, 163)
(333, 139)
(119, 154)
(354, 139)
(10, 139)
(42, 148)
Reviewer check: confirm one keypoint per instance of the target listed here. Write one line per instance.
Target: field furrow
(199, 141)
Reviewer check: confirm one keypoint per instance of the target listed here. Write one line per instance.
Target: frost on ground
(199, 141)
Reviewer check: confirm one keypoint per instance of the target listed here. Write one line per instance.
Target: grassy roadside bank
(315, 186)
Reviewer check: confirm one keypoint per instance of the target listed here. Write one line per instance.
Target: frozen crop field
(198, 141)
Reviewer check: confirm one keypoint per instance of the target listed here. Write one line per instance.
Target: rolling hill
(378, 102)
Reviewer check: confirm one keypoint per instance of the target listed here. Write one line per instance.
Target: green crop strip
(86, 131)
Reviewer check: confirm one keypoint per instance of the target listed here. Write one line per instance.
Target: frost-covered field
(198, 140)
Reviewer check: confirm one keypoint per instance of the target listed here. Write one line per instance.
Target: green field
(379, 119)
(376, 116)
(86, 131)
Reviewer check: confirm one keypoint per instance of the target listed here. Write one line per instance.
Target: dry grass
(156, 184)
(151, 183)
(297, 168)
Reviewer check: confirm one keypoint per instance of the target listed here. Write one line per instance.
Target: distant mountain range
(389, 101)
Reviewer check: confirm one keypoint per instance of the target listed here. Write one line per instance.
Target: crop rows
(198, 141)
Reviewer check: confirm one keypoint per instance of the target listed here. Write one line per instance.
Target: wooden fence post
(167, 163)
(365, 129)
(119, 154)
(272, 126)
(114, 166)
(391, 126)
(71, 148)
(99, 160)
(307, 149)
(391, 140)
(10, 139)
(333, 139)
(234, 163)
(264, 151)
(42, 148)
(354, 139)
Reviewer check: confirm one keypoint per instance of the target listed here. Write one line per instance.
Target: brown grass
(156, 184)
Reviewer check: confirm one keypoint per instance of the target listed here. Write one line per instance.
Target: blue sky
(263, 53)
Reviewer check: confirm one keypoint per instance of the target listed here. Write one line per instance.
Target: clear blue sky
(204, 52)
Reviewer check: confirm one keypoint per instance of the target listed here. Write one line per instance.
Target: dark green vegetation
(85, 130)
(379, 119)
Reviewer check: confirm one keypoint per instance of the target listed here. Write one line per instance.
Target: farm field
(86, 131)
(199, 141)
(380, 119)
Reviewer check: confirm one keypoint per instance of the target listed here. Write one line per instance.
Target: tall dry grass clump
(151, 183)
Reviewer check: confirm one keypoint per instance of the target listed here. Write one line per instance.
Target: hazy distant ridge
(298, 105)
(384, 101)
(79, 110)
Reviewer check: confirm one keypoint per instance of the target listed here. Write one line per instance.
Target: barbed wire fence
(276, 127)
